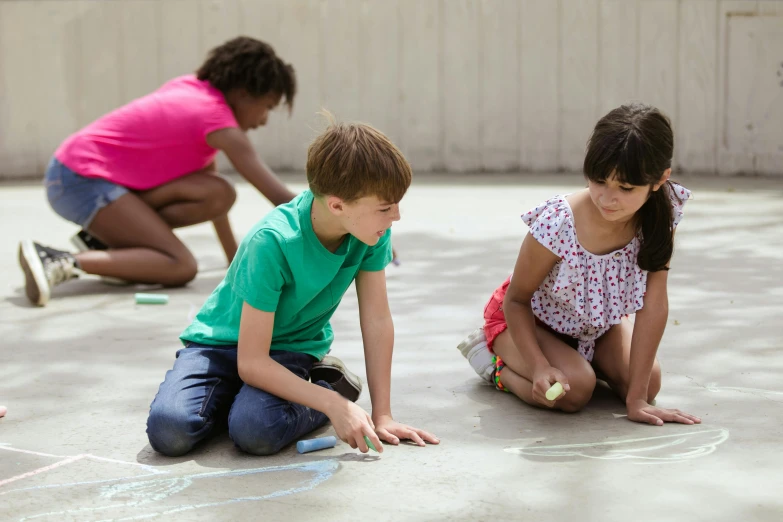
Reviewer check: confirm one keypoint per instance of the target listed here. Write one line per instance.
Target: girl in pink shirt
(132, 176)
(592, 259)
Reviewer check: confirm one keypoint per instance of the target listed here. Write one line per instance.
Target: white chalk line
(68, 460)
(713, 387)
(619, 450)
(7, 447)
(41, 470)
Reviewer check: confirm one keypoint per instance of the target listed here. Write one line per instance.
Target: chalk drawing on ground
(153, 493)
(658, 449)
(62, 460)
(767, 394)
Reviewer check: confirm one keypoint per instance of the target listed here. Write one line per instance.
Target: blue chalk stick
(306, 446)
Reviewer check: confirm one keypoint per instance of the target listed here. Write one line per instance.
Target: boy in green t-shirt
(264, 332)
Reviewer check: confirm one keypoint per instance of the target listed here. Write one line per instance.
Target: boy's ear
(335, 205)
(664, 178)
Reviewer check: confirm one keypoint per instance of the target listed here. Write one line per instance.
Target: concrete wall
(460, 85)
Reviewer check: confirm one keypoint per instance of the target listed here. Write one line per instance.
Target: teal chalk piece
(370, 444)
(152, 298)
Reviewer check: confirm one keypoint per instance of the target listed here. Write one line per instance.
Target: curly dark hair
(250, 64)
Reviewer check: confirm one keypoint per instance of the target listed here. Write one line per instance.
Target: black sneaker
(44, 268)
(333, 372)
(84, 241)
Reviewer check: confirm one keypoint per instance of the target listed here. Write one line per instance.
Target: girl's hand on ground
(641, 411)
(351, 424)
(543, 379)
(392, 431)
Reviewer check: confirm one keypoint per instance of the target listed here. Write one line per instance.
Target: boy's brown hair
(355, 160)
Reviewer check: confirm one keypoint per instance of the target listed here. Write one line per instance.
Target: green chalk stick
(367, 440)
(554, 392)
(152, 298)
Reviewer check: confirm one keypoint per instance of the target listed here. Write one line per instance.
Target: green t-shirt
(282, 267)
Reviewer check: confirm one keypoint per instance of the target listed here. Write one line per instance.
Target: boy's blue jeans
(203, 391)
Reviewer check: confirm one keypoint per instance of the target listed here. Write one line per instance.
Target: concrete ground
(78, 376)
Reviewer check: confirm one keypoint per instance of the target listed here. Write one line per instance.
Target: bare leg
(612, 359)
(561, 356)
(197, 198)
(226, 237)
(138, 230)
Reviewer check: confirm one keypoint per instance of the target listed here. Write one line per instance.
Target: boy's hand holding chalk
(370, 444)
(308, 445)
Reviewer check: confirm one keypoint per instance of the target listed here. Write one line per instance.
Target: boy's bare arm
(259, 370)
(378, 336)
(243, 157)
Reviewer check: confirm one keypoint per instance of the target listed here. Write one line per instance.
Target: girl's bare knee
(188, 274)
(223, 197)
(184, 271)
(188, 271)
(582, 385)
(181, 278)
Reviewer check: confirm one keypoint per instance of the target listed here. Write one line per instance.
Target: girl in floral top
(591, 261)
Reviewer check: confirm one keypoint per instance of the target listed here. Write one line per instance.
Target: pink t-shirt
(152, 140)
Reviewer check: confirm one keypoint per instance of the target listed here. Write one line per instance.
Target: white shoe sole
(33, 268)
(474, 349)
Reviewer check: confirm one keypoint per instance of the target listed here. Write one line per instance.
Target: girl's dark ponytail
(655, 227)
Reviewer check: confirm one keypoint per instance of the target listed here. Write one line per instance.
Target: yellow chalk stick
(554, 392)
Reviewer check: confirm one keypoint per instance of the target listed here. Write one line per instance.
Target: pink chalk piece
(3, 411)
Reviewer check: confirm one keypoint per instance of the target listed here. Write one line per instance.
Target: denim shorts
(78, 198)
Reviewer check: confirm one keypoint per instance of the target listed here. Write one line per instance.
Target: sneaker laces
(59, 269)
